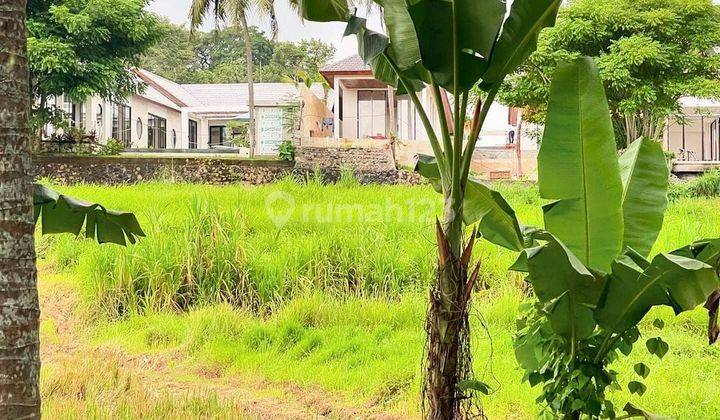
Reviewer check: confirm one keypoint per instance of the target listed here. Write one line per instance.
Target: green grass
(336, 297)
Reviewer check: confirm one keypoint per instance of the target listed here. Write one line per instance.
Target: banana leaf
(322, 10)
(578, 167)
(671, 280)
(519, 35)
(569, 290)
(460, 32)
(645, 174)
(63, 214)
(497, 220)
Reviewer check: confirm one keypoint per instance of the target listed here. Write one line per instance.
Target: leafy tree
(649, 53)
(227, 45)
(451, 45)
(86, 47)
(589, 267)
(174, 55)
(292, 61)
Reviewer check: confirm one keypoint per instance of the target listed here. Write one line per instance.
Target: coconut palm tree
(235, 13)
(19, 329)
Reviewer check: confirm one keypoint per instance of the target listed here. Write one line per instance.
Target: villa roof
(693, 102)
(348, 65)
(225, 97)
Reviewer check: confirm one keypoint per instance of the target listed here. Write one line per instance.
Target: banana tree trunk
(251, 86)
(19, 337)
(447, 326)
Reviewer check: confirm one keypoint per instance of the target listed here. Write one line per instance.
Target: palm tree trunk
(251, 87)
(19, 310)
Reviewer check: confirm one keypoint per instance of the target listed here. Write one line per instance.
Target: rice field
(325, 285)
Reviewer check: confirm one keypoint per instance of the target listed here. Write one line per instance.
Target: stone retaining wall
(368, 166)
(365, 159)
(70, 169)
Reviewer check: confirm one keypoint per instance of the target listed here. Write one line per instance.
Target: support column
(336, 114)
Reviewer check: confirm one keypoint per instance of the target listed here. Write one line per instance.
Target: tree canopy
(85, 47)
(218, 56)
(649, 54)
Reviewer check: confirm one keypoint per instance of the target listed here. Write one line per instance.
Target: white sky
(291, 28)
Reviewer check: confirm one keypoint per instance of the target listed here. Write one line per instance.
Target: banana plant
(590, 267)
(455, 46)
(59, 213)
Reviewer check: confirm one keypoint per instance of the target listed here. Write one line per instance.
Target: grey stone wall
(338, 158)
(70, 169)
(367, 165)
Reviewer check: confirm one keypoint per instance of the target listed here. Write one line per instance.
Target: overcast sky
(291, 28)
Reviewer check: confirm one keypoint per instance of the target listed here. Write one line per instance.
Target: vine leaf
(473, 385)
(636, 387)
(642, 370)
(636, 411)
(657, 346)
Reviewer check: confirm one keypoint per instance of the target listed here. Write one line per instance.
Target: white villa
(168, 115)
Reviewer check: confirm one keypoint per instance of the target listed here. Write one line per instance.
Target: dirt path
(160, 378)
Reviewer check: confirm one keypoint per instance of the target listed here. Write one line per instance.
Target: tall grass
(257, 247)
(341, 287)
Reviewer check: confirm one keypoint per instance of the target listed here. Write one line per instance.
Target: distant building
(366, 108)
(168, 115)
(696, 135)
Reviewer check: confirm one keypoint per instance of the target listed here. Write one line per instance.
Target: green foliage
(219, 56)
(112, 148)
(237, 132)
(650, 53)
(85, 47)
(706, 185)
(63, 214)
(286, 150)
(364, 346)
(591, 297)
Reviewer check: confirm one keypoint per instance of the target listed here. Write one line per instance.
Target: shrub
(286, 150)
(706, 185)
(113, 147)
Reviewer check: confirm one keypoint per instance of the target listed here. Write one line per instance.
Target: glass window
(157, 132)
(217, 135)
(75, 112)
(192, 135)
(121, 131)
(372, 111)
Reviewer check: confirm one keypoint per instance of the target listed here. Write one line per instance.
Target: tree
(235, 11)
(174, 55)
(292, 61)
(589, 267)
(82, 47)
(451, 45)
(19, 329)
(649, 53)
(223, 45)
(219, 56)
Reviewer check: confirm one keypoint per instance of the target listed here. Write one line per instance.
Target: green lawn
(335, 294)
